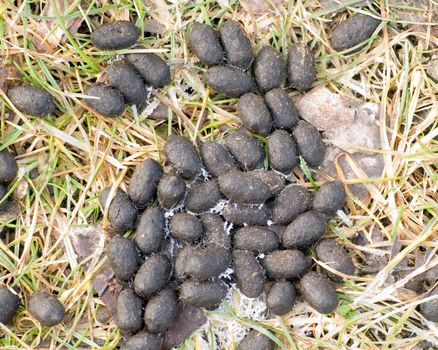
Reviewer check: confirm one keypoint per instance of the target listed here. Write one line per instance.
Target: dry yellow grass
(78, 153)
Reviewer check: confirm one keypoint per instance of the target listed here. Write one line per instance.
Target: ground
(66, 160)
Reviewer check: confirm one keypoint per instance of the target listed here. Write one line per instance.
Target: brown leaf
(51, 33)
(189, 319)
(86, 240)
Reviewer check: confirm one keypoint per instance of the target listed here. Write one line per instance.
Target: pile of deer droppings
(218, 219)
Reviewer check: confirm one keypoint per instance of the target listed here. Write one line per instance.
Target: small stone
(319, 292)
(432, 69)
(124, 77)
(153, 275)
(203, 40)
(108, 101)
(285, 264)
(329, 198)
(301, 67)
(256, 239)
(9, 305)
(254, 114)
(154, 70)
(144, 181)
(305, 230)
(236, 44)
(291, 202)
(143, 341)
(281, 297)
(334, 255)
(116, 35)
(246, 150)
(129, 312)
(121, 212)
(123, 257)
(228, 80)
(269, 69)
(32, 100)
(217, 159)
(8, 166)
(185, 227)
(197, 201)
(309, 143)
(46, 309)
(243, 188)
(282, 152)
(149, 235)
(171, 191)
(283, 111)
(243, 214)
(249, 273)
(255, 341)
(160, 311)
(203, 294)
(183, 156)
(353, 31)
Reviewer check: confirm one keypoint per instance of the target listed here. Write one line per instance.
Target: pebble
(123, 257)
(144, 182)
(256, 239)
(281, 297)
(305, 230)
(116, 35)
(217, 159)
(185, 227)
(124, 78)
(129, 312)
(353, 31)
(203, 40)
(153, 275)
(283, 111)
(181, 153)
(301, 67)
(291, 202)
(171, 191)
(154, 70)
(269, 69)
(249, 273)
(282, 152)
(46, 309)
(122, 213)
(228, 80)
(285, 264)
(109, 102)
(237, 47)
(32, 100)
(319, 292)
(309, 143)
(254, 114)
(149, 234)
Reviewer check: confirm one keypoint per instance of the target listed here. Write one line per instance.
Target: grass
(78, 153)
